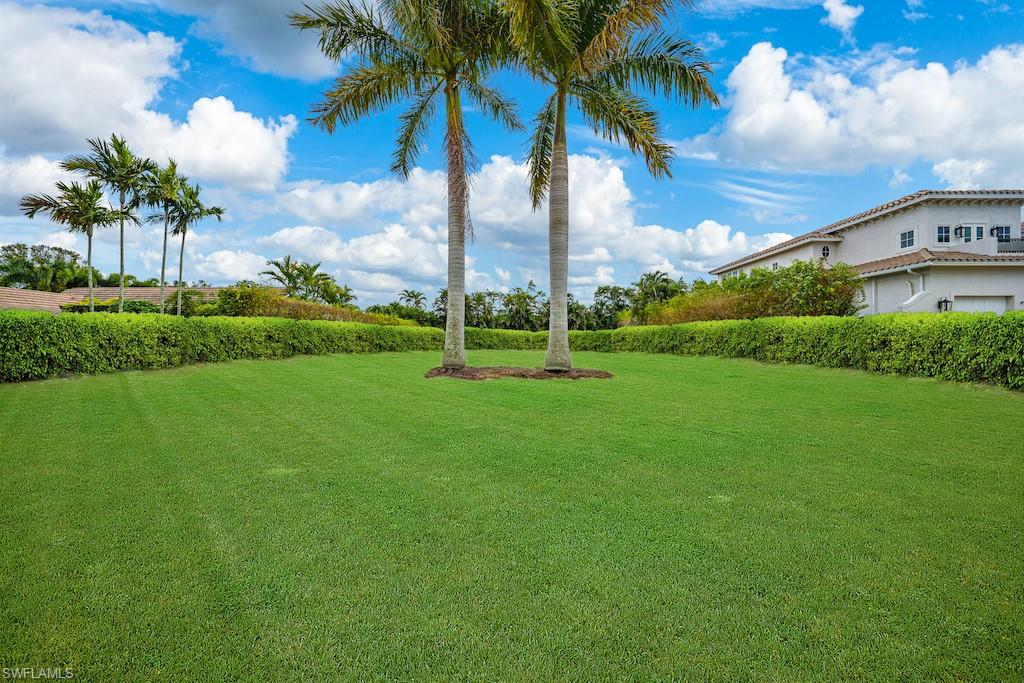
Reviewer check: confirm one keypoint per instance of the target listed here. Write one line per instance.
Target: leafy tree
(426, 51)
(81, 209)
(113, 164)
(40, 267)
(609, 302)
(163, 189)
(652, 288)
(594, 53)
(185, 213)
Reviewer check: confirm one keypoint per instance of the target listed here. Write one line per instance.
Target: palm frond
(368, 89)
(613, 22)
(349, 28)
(663, 65)
(493, 104)
(544, 30)
(620, 116)
(539, 157)
(415, 122)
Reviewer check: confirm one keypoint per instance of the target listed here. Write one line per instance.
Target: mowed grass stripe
(342, 516)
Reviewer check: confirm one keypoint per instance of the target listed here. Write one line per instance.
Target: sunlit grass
(343, 517)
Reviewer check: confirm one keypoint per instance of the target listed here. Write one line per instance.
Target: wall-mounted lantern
(945, 305)
(959, 232)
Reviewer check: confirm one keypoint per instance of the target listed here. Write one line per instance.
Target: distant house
(933, 250)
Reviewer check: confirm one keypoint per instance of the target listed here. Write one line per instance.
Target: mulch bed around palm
(477, 374)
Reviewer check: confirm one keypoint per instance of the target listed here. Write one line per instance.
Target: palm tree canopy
(163, 186)
(115, 165)
(189, 209)
(410, 50)
(596, 54)
(81, 208)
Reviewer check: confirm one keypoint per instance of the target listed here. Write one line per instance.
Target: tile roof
(897, 204)
(922, 256)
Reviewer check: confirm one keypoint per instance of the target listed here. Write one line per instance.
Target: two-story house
(934, 250)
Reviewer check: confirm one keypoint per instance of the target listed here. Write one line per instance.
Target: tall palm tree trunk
(163, 259)
(120, 294)
(181, 270)
(558, 356)
(454, 355)
(88, 264)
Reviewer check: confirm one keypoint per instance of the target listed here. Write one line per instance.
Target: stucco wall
(885, 294)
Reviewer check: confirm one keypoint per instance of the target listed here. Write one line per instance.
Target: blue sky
(828, 108)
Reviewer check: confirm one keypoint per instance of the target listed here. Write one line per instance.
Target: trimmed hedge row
(955, 346)
(962, 347)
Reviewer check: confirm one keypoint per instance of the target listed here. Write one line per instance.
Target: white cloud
(842, 116)
(841, 16)
(730, 8)
(84, 75)
(219, 142)
(69, 75)
(26, 175)
(227, 266)
(258, 33)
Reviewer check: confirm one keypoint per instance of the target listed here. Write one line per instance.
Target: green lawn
(342, 517)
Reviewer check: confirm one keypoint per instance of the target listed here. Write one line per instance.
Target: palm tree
(412, 297)
(185, 213)
(591, 53)
(113, 164)
(79, 207)
(163, 190)
(426, 51)
(285, 272)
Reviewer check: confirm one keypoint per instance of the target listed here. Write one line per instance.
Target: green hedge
(955, 346)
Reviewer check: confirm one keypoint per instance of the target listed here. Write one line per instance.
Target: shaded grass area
(343, 517)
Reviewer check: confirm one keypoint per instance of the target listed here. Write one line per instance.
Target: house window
(967, 231)
(942, 234)
(825, 252)
(1003, 233)
(979, 232)
(775, 266)
(906, 239)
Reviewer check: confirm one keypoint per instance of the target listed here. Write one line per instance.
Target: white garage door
(979, 304)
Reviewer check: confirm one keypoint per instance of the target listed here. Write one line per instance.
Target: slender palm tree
(79, 207)
(163, 190)
(426, 51)
(594, 53)
(185, 213)
(113, 164)
(412, 297)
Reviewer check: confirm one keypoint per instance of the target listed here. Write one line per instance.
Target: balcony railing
(1011, 246)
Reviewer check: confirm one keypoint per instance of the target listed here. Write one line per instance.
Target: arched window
(825, 252)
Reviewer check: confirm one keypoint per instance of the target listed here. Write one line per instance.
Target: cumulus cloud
(217, 141)
(228, 265)
(606, 237)
(874, 109)
(102, 76)
(841, 16)
(258, 33)
(26, 175)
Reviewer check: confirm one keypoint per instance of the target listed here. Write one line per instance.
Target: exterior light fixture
(945, 305)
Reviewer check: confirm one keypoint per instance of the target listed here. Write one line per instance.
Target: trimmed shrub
(110, 306)
(256, 301)
(963, 347)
